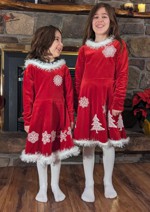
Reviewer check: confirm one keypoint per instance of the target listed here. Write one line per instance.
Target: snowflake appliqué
(53, 135)
(33, 137)
(46, 137)
(83, 102)
(109, 51)
(57, 80)
(63, 136)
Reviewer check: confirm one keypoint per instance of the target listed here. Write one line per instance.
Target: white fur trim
(97, 45)
(33, 158)
(29, 158)
(69, 152)
(88, 143)
(115, 143)
(45, 66)
(121, 143)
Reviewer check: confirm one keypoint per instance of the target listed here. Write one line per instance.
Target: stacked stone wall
(19, 26)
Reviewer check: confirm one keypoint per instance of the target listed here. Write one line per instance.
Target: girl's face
(101, 24)
(56, 47)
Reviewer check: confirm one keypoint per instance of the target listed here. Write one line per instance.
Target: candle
(141, 8)
(36, 1)
(129, 5)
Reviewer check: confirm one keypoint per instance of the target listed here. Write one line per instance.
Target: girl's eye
(95, 17)
(104, 16)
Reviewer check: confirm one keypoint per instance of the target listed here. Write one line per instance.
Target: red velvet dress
(48, 110)
(100, 82)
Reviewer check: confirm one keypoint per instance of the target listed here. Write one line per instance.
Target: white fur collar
(45, 66)
(95, 45)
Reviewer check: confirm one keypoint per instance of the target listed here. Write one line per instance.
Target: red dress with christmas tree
(48, 110)
(100, 81)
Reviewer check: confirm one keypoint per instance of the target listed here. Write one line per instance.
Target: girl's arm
(121, 79)
(79, 70)
(69, 95)
(28, 96)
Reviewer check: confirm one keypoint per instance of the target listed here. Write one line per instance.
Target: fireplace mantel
(79, 9)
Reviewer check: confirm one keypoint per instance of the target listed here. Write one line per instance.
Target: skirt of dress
(50, 136)
(95, 124)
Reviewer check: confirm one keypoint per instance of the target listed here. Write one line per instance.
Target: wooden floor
(19, 185)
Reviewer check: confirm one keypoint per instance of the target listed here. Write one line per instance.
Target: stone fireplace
(17, 28)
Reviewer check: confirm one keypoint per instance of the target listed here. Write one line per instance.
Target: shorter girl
(48, 109)
(101, 80)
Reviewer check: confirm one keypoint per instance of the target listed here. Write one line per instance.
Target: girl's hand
(72, 125)
(26, 128)
(116, 112)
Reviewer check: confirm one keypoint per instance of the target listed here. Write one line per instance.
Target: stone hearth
(12, 143)
(16, 31)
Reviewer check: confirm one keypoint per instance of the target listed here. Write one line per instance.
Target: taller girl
(101, 80)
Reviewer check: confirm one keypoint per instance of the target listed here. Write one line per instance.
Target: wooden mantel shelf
(26, 6)
(8, 4)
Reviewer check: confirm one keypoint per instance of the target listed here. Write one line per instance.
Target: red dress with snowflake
(100, 82)
(48, 111)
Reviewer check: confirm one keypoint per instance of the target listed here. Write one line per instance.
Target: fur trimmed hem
(116, 143)
(33, 158)
(121, 143)
(88, 143)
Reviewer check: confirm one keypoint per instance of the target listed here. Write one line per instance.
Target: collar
(44, 65)
(96, 45)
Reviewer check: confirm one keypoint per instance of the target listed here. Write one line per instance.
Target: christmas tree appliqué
(111, 120)
(96, 124)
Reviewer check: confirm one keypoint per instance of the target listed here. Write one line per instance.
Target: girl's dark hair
(41, 42)
(113, 30)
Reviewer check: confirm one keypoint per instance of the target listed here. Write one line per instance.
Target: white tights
(55, 173)
(88, 164)
(108, 163)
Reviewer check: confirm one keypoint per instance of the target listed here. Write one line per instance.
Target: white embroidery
(96, 124)
(33, 137)
(111, 120)
(109, 51)
(46, 137)
(83, 102)
(63, 136)
(120, 123)
(57, 80)
(53, 135)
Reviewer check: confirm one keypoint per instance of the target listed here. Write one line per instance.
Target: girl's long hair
(113, 29)
(41, 42)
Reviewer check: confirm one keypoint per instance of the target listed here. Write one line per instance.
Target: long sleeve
(121, 79)
(28, 95)
(79, 70)
(69, 94)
